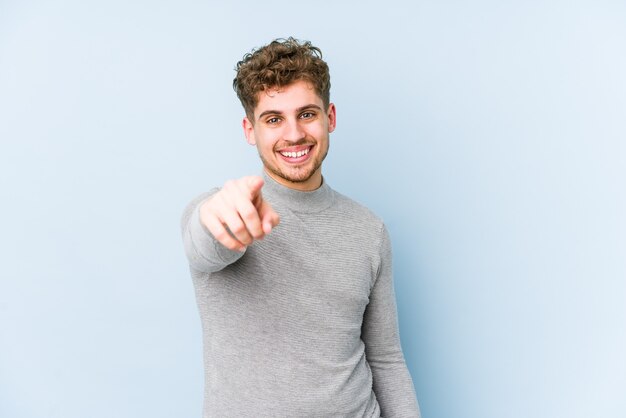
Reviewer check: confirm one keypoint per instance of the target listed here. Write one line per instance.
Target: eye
(307, 115)
(272, 121)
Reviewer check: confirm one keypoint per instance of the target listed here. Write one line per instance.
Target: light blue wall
(489, 135)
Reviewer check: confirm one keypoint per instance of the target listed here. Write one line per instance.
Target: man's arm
(219, 225)
(392, 382)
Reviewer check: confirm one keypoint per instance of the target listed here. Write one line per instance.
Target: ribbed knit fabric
(303, 324)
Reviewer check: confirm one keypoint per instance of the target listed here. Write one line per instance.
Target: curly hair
(278, 64)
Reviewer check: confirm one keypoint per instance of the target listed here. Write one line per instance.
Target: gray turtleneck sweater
(304, 323)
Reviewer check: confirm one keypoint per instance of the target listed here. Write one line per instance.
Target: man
(293, 280)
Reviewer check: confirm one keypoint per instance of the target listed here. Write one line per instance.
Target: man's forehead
(287, 98)
(275, 91)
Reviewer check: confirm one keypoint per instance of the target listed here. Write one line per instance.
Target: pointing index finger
(254, 185)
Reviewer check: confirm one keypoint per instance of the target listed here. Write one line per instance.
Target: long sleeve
(391, 379)
(205, 254)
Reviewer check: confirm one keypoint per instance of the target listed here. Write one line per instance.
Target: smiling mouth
(295, 154)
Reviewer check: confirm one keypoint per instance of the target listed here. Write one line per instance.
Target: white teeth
(295, 154)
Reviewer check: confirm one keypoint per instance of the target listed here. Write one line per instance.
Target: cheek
(320, 132)
(265, 143)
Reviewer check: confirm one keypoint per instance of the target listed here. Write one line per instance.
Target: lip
(295, 160)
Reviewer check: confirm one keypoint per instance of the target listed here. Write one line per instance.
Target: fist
(237, 215)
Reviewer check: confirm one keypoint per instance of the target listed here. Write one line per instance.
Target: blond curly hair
(278, 64)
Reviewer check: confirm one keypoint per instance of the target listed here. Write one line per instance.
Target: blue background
(489, 135)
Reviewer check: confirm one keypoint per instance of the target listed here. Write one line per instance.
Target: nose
(293, 131)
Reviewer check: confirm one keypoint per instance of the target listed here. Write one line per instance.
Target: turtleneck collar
(296, 200)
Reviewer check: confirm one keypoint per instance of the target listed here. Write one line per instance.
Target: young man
(293, 280)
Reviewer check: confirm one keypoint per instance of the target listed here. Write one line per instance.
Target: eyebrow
(298, 110)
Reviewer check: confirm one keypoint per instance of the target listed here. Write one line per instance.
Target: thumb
(269, 217)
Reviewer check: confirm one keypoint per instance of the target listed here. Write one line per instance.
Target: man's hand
(239, 208)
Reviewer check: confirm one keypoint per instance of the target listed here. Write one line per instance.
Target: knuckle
(214, 205)
(228, 187)
(207, 207)
(238, 229)
(221, 235)
(231, 245)
(249, 214)
(257, 234)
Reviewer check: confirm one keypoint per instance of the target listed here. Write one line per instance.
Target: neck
(296, 200)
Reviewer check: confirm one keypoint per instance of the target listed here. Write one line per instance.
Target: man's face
(290, 130)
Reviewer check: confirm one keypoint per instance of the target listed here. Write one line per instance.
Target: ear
(332, 117)
(248, 131)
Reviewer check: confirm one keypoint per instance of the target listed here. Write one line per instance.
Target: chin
(293, 176)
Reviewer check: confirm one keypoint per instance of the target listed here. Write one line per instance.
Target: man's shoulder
(356, 210)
